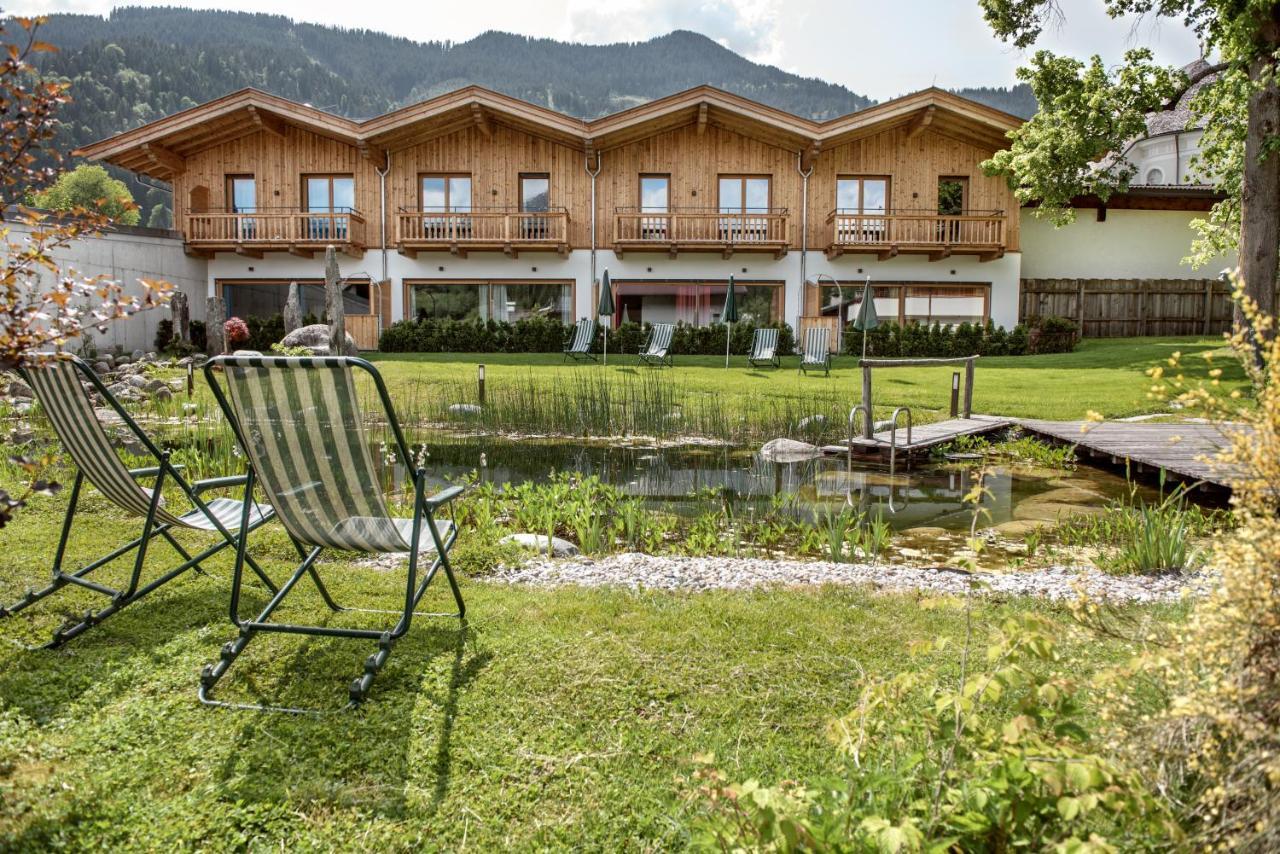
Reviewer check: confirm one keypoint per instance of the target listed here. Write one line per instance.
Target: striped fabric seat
(584, 334)
(303, 431)
(764, 347)
(71, 413)
(817, 352)
(658, 350)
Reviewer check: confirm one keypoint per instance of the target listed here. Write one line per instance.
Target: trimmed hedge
(545, 335)
(891, 340)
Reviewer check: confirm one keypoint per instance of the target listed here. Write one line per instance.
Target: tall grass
(1140, 537)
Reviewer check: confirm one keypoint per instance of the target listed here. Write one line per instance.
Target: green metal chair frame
(319, 478)
(57, 385)
(764, 348)
(584, 334)
(657, 351)
(817, 352)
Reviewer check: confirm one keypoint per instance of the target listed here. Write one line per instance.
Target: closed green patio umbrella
(867, 318)
(605, 309)
(730, 317)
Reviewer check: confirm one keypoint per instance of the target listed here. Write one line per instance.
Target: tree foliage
(88, 186)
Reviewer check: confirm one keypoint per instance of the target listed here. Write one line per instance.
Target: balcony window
(858, 200)
(500, 301)
(743, 196)
(242, 193)
(655, 198)
(444, 196)
(694, 303)
(334, 195)
(535, 198)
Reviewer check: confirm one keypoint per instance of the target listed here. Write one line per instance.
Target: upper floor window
(655, 193)
(446, 193)
(744, 194)
(242, 193)
(535, 193)
(953, 195)
(862, 195)
(330, 193)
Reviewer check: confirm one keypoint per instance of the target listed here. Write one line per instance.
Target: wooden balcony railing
(273, 229)
(971, 232)
(482, 229)
(700, 229)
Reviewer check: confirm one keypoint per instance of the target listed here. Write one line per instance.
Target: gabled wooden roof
(160, 147)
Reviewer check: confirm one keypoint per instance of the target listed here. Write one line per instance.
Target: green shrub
(892, 340)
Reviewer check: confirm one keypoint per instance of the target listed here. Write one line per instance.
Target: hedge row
(544, 335)
(892, 340)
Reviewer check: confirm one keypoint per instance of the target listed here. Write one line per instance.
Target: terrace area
(475, 229)
(981, 233)
(700, 230)
(297, 232)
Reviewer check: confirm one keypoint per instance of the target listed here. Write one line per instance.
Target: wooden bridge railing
(868, 364)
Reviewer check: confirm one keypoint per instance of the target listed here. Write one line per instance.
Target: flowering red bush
(236, 330)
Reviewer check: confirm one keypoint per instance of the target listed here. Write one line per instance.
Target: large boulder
(316, 339)
(788, 451)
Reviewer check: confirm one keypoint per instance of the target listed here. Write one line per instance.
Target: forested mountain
(141, 64)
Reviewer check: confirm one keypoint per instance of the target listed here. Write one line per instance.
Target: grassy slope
(563, 717)
(1105, 375)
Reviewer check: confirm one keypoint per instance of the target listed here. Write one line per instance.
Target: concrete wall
(127, 255)
(1130, 244)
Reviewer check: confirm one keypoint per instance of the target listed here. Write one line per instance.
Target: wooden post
(866, 400)
(968, 388)
(955, 394)
(1208, 306)
(1144, 307)
(1080, 306)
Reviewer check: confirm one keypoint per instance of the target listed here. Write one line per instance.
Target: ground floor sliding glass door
(949, 304)
(264, 299)
(697, 303)
(489, 299)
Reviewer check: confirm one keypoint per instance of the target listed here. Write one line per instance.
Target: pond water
(685, 480)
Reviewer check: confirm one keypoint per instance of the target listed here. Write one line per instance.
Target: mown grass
(559, 718)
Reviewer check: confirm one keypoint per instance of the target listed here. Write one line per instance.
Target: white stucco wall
(1128, 245)
(1002, 274)
(125, 257)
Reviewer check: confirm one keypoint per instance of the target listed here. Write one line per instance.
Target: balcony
(300, 233)
(482, 230)
(980, 233)
(700, 230)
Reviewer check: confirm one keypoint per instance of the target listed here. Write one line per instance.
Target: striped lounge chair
(584, 335)
(300, 423)
(764, 348)
(658, 350)
(816, 353)
(57, 383)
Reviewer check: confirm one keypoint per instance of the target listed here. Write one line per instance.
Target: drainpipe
(804, 230)
(382, 230)
(593, 175)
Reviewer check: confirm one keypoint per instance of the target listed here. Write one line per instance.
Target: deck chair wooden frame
(300, 425)
(56, 382)
(817, 350)
(657, 350)
(584, 335)
(764, 348)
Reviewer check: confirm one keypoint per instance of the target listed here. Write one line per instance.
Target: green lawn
(560, 718)
(1105, 375)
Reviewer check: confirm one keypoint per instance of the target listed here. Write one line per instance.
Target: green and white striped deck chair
(56, 382)
(764, 347)
(300, 423)
(658, 350)
(584, 335)
(816, 353)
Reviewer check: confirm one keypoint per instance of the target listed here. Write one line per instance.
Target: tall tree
(89, 186)
(1087, 112)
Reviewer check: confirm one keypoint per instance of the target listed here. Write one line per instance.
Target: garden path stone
(788, 451)
(538, 542)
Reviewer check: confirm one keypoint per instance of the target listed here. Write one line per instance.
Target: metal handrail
(848, 448)
(703, 209)
(893, 438)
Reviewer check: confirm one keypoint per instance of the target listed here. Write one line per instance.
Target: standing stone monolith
(292, 309)
(215, 315)
(333, 306)
(181, 313)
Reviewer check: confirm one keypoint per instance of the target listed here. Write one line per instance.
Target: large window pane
(244, 195)
(433, 193)
(460, 193)
(317, 194)
(757, 198)
(694, 303)
(455, 302)
(948, 306)
(874, 195)
(535, 193)
(848, 194)
(344, 194)
(493, 301)
(512, 302)
(267, 299)
(730, 195)
(655, 193)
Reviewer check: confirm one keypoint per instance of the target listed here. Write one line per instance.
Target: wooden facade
(693, 138)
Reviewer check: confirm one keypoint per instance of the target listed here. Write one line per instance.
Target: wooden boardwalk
(1184, 451)
(923, 436)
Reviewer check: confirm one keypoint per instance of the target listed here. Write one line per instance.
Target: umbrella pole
(728, 336)
(606, 341)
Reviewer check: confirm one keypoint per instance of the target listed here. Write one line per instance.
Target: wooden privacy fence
(1117, 308)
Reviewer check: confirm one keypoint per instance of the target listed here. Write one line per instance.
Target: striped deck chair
(57, 386)
(658, 350)
(764, 348)
(816, 353)
(300, 423)
(584, 335)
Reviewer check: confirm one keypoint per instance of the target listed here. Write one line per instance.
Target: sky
(878, 48)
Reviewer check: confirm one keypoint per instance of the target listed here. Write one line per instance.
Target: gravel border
(641, 571)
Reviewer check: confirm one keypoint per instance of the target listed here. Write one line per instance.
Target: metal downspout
(593, 213)
(804, 232)
(382, 205)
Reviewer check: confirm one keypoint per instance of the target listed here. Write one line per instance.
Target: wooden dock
(1183, 451)
(923, 437)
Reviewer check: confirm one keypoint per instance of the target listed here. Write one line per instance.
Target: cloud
(748, 27)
